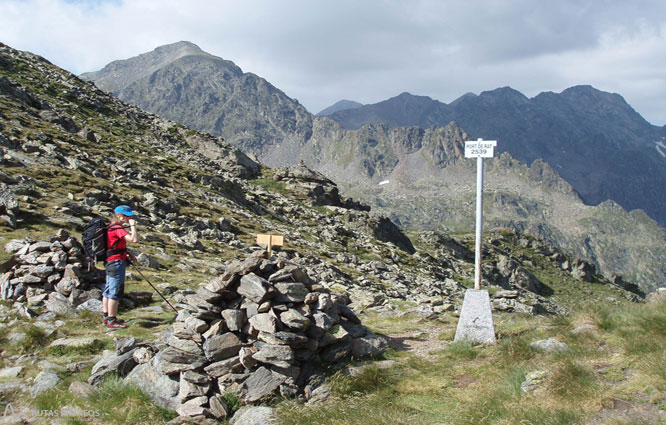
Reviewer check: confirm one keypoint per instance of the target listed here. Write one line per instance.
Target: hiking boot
(106, 321)
(116, 324)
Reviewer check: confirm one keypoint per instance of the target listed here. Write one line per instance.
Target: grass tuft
(461, 351)
(370, 379)
(122, 403)
(572, 380)
(35, 337)
(515, 349)
(232, 401)
(94, 348)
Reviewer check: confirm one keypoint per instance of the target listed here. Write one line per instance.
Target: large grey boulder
(276, 355)
(549, 345)
(92, 305)
(44, 381)
(162, 389)
(254, 415)
(223, 367)
(59, 304)
(523, 278)
(293, 292)
(234, 318)
(264, 322)
(192, 385)
(81, 389)
(370, 345)
(85, 341)
(172, 361)
(11, 372)
(117, 364)
(293, 319)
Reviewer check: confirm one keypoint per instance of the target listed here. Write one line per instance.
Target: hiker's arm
(133, 236)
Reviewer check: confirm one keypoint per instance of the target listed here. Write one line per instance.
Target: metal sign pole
(476, 320)
(479, 222)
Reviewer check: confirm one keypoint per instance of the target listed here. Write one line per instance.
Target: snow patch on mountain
(661, 147)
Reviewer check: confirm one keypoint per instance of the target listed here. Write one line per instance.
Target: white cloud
(323, 51)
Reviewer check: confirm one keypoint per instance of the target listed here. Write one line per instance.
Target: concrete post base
(476, 320)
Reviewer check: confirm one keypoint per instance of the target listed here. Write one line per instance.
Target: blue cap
(123, 209)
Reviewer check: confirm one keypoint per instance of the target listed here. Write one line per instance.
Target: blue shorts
(115, 279)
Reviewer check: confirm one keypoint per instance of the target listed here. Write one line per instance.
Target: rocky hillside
(70, 152)
(594, 139)
(413, 159)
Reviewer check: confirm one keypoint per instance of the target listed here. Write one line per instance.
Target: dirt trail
(421, 342)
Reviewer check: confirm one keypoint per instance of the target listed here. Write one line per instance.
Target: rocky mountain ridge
(595, 140)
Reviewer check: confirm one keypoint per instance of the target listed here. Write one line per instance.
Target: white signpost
(476, 320)
(479, 149)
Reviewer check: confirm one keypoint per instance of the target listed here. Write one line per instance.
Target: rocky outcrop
(316, 186)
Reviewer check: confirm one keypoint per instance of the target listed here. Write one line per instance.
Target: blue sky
(322, 51)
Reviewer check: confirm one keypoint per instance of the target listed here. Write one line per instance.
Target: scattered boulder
(254, 415)
(549, 345)
(119, 364)
(74, 342)
(46, 380)
(11, 372)
(81, 389)
(533, 380)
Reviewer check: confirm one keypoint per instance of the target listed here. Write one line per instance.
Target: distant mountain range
(602, 147)
(595, 140)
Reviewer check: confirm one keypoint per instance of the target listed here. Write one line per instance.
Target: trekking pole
(134, 260)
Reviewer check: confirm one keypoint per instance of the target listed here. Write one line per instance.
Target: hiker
(116, 263)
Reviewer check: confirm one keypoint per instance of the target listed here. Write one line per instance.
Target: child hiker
(116, 263)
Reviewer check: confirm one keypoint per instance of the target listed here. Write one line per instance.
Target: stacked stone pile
(256, 331)
(50, 272)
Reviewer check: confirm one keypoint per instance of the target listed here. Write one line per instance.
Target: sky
(319, 52)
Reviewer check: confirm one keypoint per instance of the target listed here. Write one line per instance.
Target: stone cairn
(256, 331)
(50, 273)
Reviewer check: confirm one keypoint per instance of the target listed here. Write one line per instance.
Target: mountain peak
(408, 96)
(468, 95)
(171, 52)
(589, 93)
(505, 92)
(121, 73)
(341, 105)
